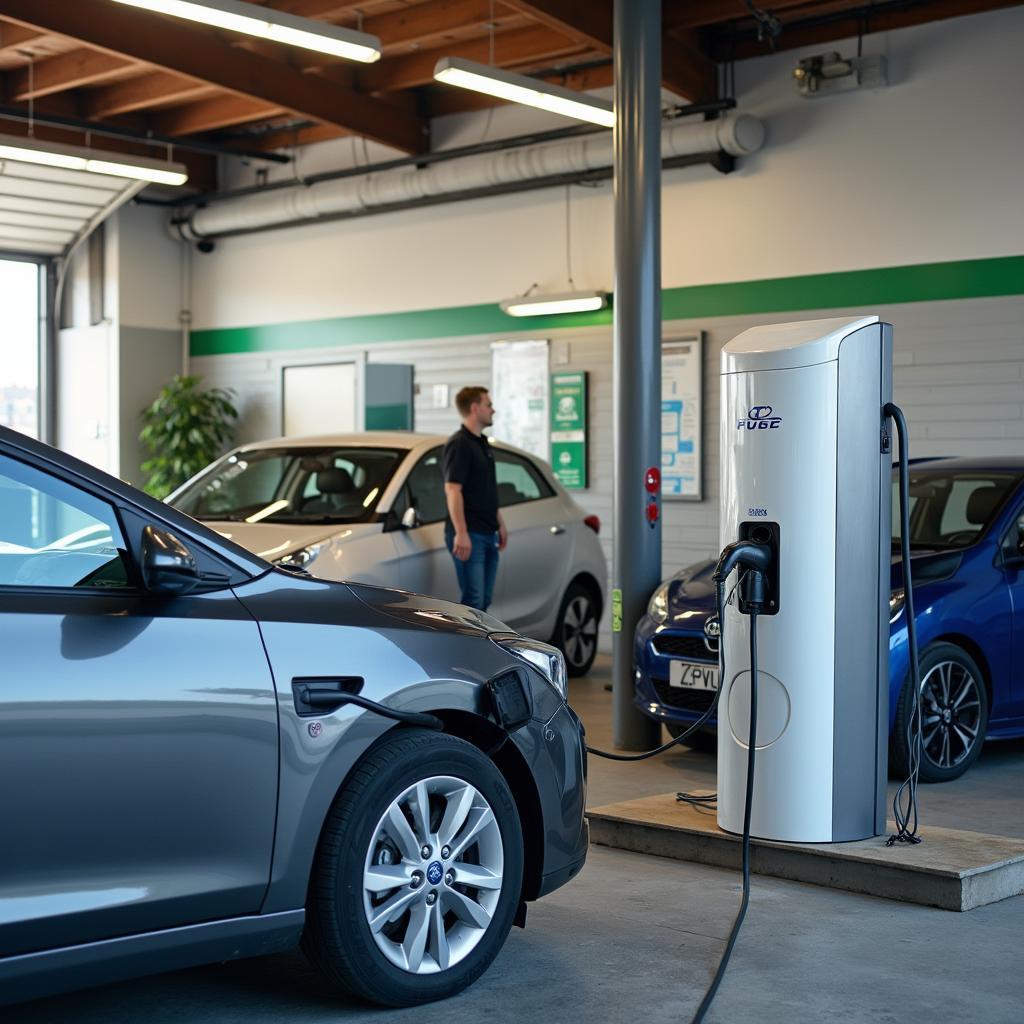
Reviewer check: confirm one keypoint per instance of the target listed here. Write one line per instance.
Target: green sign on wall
(569, 428)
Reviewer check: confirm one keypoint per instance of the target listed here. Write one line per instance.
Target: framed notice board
(682, 417)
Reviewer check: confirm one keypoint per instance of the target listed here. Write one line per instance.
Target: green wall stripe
(926, 282)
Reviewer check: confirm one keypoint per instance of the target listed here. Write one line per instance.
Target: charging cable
(758, 559)
(904, 803)
(720, 602)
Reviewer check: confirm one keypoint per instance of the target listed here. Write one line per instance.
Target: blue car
(967, 544)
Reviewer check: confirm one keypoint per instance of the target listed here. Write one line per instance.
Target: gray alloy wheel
(576, 632)
(433, 875)
(950, 714)
(954, 715)
(418, 872)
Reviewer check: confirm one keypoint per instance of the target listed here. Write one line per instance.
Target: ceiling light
(546, 305)
(467, 74)
(265, 23)
(78, 158)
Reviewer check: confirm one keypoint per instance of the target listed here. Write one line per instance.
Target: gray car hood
(427, 612)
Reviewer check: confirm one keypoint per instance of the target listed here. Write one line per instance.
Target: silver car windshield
(293, 485)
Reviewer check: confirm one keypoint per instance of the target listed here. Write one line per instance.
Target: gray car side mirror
(409, 519)
(168, 567)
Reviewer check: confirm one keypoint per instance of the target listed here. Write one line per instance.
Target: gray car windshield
(950, 508)
(293, 485)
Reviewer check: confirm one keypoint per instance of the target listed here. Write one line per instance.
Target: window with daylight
(19, 345)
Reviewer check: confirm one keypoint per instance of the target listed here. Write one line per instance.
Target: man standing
(474, 531)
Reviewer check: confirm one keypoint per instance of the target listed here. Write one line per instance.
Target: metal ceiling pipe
(735, 134)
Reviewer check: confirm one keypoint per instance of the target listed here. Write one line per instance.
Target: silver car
(204, 757)
(371, 508)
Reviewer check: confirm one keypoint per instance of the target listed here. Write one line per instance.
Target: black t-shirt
(468, 460)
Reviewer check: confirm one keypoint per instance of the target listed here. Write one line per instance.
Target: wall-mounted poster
(682, 417)
(519, 391)
(569, 428)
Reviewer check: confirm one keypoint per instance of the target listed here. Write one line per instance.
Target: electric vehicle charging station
(806, 471)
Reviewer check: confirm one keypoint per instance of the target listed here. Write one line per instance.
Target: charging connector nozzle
(742, 552)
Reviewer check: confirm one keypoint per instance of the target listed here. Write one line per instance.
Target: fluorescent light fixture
(532, 92)
(78, 158)
(546, 305)
(266, 23)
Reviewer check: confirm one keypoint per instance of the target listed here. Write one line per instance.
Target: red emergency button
(652, 480)
(652, 513)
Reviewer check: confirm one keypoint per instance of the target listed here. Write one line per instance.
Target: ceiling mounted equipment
(548, 305)
(532, 92)
(78, 158)
(266, 23)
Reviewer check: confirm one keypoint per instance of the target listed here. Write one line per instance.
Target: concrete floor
(637, 937)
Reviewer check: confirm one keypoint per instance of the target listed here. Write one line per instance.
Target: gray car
(205, 757)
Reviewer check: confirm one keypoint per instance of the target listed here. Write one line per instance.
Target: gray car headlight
(548, 660)
(658, 606)
(897, 599)
(301, 559)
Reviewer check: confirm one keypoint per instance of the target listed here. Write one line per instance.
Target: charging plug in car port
(767, 534)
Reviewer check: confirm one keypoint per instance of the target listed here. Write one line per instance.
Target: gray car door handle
(557, 529)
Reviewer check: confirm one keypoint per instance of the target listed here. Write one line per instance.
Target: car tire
(576, 629)
(421, 951)
(954, 709)
(704, 740)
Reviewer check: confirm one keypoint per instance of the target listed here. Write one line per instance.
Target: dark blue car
(967, 543)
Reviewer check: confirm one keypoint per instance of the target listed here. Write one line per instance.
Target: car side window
(54, 535)
(518, 480)
(425, 488)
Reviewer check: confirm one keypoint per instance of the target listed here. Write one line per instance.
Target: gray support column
(636, 568)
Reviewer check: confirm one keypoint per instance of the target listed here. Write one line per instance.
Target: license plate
(692, 675)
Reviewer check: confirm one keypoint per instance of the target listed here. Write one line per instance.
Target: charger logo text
(759, 418)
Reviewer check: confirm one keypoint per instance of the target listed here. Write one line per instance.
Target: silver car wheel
(579, 630)
(433, 875)
(950, 714)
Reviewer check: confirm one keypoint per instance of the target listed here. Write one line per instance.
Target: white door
(321, 399)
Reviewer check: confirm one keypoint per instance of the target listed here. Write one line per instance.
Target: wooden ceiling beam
(286, 138)
(210, 114)
(697, 13)
(429, 22)
(881, 20)
(17, 37)
(140, 93)
(325, 10)
(524, 47)
(69, 70)
(684, 69)
(199, 53)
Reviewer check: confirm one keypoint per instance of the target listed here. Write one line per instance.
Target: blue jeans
(477, 574)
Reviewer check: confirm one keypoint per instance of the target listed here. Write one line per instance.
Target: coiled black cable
(904, 802)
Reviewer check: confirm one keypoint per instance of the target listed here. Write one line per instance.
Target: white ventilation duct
(735, 134)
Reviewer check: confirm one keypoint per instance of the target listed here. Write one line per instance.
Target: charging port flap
(511, 699)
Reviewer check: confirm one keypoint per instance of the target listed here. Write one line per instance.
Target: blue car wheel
(954, 715)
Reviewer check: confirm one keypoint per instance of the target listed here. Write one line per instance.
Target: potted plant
(185, 429)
